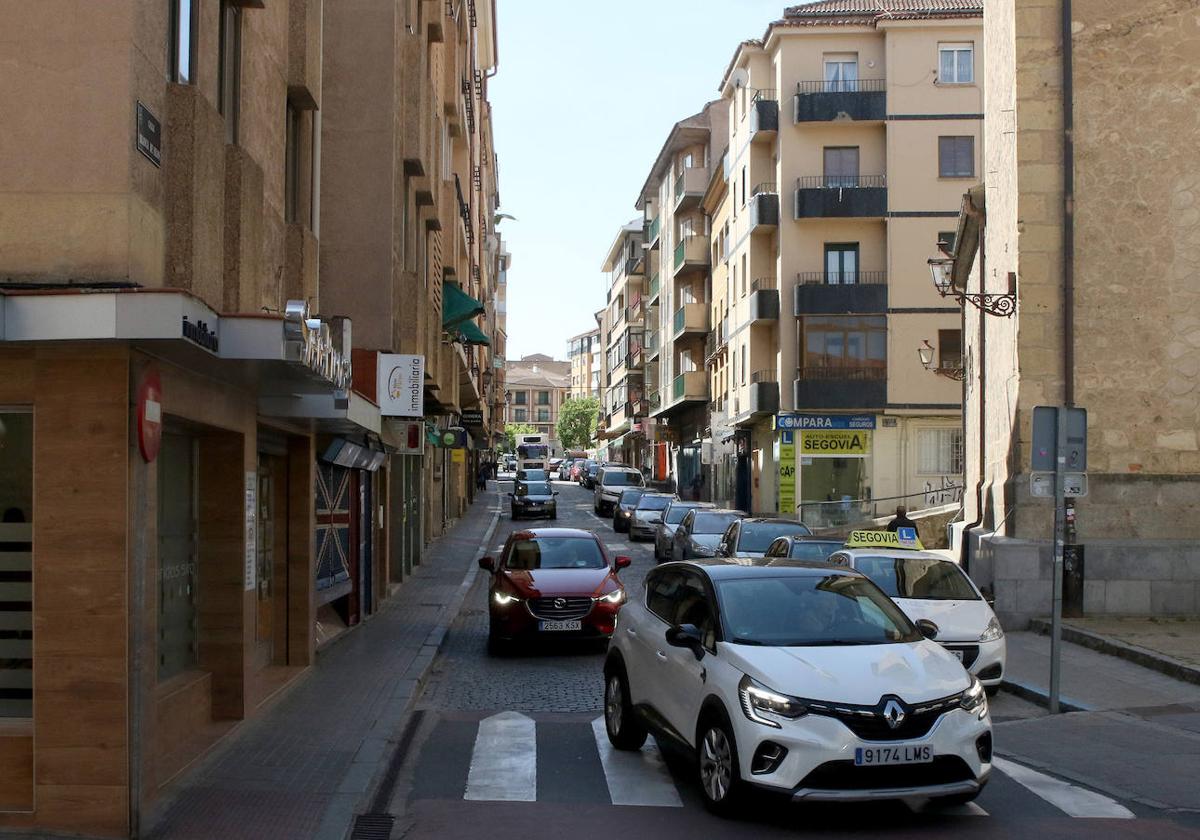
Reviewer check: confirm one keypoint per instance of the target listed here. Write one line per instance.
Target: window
(956, 64)
(743, 186)
(662, 591)
(743, 364)
(846, 343)
(291, 162)
(183, 41)
(521, 397)
(841, 72)
(745, 272)
(841, 264)
(950, 349)
(939, 451)
(230, 69)
(543, 415)
(178, 511)
(841, 166)
(520, 415)
(956, 157)
(16, 546)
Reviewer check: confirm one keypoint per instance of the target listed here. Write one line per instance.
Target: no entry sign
(149, 414)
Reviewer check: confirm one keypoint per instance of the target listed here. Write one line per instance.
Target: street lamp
(925, 354)
(1004, 305)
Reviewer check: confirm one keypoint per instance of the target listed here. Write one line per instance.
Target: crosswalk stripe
(504, 761)
(1074, 801)
(635, 778)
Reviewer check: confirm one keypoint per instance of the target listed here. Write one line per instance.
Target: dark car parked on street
(623, 509)
(750, 537)
(533, 498)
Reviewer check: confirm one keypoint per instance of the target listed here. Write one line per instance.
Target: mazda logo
(560, 603)
(894, 714)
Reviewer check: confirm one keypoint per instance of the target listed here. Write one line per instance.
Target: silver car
(700, 531)
(664, 531)
(647, 514)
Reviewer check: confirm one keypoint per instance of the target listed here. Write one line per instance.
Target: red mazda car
(552, 583)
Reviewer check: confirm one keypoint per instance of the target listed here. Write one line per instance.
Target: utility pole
(1060, 518)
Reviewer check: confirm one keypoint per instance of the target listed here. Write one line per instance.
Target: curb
(1153, 660)
(1040, 696)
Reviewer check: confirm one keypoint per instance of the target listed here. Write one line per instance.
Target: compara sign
(824, 421)
(401, 385)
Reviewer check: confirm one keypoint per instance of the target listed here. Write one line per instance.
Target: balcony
(841, 196)
(635, 312)
(690, 185)
(764, 392)
(655, 400)
(652, 236)
(764, 301)
(690, 387)
(717, 340)
(764, 209)
(815, 295)
(840, 387)
(652, 345)
(858, 100)
(655, 288)
(690, 319)
(691, 254)
(764, 116)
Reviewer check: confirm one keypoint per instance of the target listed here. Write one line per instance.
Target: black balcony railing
(855, 99)
(840, 386)
(764, 187)
(842, 86)
(844, 278)
(817, 293)
(840, 182)
(858, 373)
(464, 210)
(841, 196)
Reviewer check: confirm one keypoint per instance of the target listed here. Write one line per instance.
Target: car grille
(844, 775)
(870, 724)
(970, 653)
(559, 609)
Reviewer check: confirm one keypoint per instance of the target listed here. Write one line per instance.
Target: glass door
(841, 73)
(177, 543)
(841, 264)
(841, 166)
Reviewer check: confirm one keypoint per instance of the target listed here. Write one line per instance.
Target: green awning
(471, 334)
(458, 306)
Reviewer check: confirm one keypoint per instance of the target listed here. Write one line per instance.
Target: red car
(552, 583)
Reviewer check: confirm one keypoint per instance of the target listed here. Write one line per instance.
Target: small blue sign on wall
(824, 421)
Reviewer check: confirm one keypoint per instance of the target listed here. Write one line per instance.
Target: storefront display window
(177, 549)
(16, 564)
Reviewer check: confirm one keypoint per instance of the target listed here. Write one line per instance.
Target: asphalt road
(515, 747)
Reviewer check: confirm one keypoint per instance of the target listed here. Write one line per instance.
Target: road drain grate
(372, 827)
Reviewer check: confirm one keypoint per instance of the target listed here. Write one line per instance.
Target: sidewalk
(303, 767)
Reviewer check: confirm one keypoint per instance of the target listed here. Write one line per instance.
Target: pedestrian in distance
(482, 477)
(901, 520)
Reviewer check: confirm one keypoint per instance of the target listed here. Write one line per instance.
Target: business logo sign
(472, 417)
(835, 443)
(401, 385)
(321, 346)
(824, 421)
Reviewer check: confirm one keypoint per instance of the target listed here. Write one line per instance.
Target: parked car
(796, 547)
(554, 464)
(647, 515)
(576, 468)
(750, 537)
(588, 478)
(533, 498)
(552, 582)
(700, 531)
(802, 679)
(564, 470)
(533, 475)
(664, 531)
(931, 588)
(623, 509)
(610, 480)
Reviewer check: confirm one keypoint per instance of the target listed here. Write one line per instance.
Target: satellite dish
(739, 77)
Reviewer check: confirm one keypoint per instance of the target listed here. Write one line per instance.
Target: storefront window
(177, 545)
(16, 564)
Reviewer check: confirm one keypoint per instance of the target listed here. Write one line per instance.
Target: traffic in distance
(828, 669)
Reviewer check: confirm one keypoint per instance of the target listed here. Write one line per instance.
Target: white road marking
(504, 761)
(635, 778)
(1074, 801)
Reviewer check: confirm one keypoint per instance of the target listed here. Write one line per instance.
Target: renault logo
(561, 604)
(893, 713)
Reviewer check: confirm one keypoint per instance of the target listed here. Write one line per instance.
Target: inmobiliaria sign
(401, 385)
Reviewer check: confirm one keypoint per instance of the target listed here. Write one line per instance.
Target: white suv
(797, 678)
(610, 481)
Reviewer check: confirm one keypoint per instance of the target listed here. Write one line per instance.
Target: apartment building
(1102, 318)
(192, 386)
(677, 302)
(583, 352)
(624, 403)
(537, 386)
(852, 131)
(724, 439)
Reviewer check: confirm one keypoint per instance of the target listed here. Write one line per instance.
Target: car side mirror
(622, 562)
(928, 629)
(687, 636)
(488, 563)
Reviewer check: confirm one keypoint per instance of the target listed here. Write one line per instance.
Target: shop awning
(458, 306)
(471, 334)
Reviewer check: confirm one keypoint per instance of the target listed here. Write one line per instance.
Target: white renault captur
(801, 678)
(928, 587)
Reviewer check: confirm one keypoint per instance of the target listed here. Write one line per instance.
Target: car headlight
(974, 698)
(625, 513)
(617, 596)
(762, 705)
(993, 631)
(504, 599)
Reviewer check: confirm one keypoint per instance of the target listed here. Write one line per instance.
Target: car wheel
(625, 732)
(717, 766)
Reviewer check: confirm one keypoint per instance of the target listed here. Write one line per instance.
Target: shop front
(825, 467)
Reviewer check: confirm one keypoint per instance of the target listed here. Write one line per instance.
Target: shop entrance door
(412, 512)
(271, 554)
(177, 545)
(839, 484)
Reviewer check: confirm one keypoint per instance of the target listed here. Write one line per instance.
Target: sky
(582, 102)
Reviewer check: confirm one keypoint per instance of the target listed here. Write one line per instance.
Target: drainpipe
(964, 552)
(1068, 211)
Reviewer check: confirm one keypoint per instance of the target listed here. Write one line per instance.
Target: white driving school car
(800, 678)
(930, 588)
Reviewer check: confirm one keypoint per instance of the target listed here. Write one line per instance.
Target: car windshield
(532, 475)
(676, 513)
(654, 503)
(630, 497)
(925, 578)
(533, 488)
(534, 452)
(713, 523)
(554, 553)
(618, 479)
(593, 469)
(808, 610)
(756, 536)
(816, 551)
